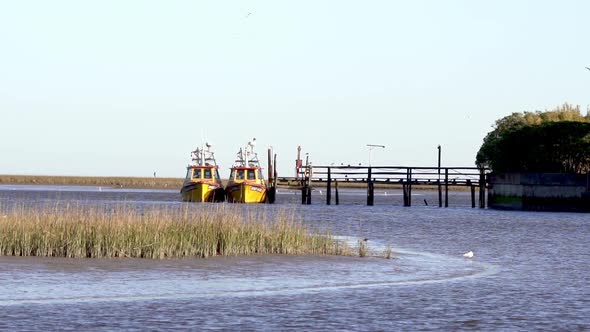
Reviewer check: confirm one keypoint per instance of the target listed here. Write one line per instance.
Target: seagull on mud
(468, 254)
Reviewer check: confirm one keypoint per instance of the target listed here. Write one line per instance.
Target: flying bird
(468, 254)
(588, 68)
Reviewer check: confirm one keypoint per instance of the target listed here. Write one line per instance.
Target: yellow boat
(202, 182)
(246, 183)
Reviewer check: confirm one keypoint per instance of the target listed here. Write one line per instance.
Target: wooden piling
(409, 187)
(446, 187)
(405, 193)
(272, 178)
(438, 181)
(329, 188)
(304, 194)
(482, 189)
(370, 192)
(336, 189)
(472, 196)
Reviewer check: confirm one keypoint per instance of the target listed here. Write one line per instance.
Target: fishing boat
(202, 182)
(246, 183)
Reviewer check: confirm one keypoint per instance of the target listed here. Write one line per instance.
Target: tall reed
(157, 233)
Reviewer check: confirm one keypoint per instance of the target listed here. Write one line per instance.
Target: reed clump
(157, 233)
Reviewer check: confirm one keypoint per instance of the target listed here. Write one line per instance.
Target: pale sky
(126, 88)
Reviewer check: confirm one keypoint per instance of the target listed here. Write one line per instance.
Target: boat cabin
(246, 173)
(198, 173)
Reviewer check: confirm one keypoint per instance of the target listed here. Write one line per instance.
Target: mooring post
(482, 188)
(370, 192)
(329, 188)
(472, 196)
(446, 187)
(336, 189)
(304, 194)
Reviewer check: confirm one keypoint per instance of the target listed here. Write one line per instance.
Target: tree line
(551, 141)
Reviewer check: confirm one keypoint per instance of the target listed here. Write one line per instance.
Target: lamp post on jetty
(371, 147)
(370, 191)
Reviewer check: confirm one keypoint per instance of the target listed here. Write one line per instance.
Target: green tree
(557, 140)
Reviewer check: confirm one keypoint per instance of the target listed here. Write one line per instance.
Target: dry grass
(157, 233)
(117, 182)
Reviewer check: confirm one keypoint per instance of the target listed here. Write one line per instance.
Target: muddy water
(530, 272)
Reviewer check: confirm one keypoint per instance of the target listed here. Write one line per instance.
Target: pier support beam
(438, 181)
(304, 194)
(472, 196)
(446, 187)
(370, 192)
(409, 187)
(329, 188)
(482, 189)
(405, 193)
(336, 189)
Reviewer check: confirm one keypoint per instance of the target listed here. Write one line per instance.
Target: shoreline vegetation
(168, 183)
(157, 233)
(98, 181)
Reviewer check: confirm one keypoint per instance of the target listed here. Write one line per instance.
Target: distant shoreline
(162, 183)
(98, 181)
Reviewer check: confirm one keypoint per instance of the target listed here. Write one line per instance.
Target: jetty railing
(404, 176)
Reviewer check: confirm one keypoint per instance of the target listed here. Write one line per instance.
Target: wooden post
(336, 188)
(275, 173)
(482, 189)
(272, 188)
(439, 184)
(410, 187)
(329, 188)
(270, 167)
(472, 196)
(304, 194)
(370, 192)
(308, 195)
(439, 193)
(446, 187)
(405, 194)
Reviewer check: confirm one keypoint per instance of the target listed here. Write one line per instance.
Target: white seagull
(468, 254)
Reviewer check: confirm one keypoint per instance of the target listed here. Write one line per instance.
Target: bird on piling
(468, 254)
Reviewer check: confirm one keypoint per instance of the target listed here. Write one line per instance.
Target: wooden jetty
(395, 176)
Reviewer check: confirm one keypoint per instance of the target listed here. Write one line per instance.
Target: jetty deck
(440, 178)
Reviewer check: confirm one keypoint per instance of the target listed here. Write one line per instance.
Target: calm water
(530, 272)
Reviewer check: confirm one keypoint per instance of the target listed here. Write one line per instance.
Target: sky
(129, 88)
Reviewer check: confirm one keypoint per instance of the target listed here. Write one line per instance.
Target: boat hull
(246, 193)
(202, 192)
